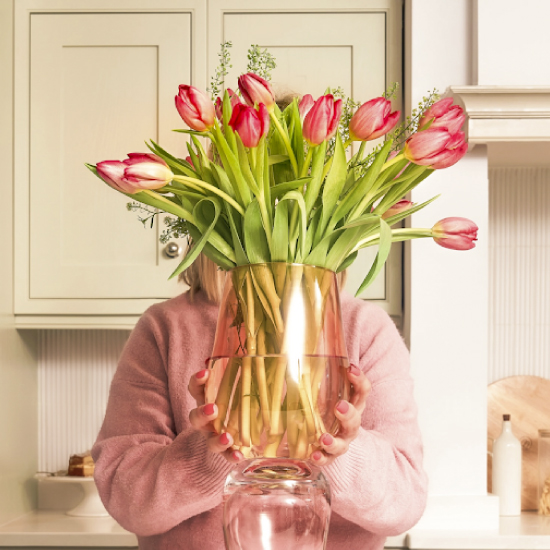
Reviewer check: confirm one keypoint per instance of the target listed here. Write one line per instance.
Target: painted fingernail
(317, 455)
(201, 374)
(327, 439)
(224, 439)
(354, 370)
(238, 456)
(209, 410)
(342, 407)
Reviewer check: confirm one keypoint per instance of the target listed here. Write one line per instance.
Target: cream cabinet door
(100, 82)
(317, 45)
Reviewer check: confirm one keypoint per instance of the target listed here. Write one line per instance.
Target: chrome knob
(172, 250)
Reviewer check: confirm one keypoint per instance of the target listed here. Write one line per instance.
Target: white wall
(18, 374)
(448, 292)
(513, 42)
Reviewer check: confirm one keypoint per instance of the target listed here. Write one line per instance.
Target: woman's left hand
(349, 414)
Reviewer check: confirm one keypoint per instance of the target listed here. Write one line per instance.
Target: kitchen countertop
(53, 528)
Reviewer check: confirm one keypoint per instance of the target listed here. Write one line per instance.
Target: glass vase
(272, 504)
(279, 361)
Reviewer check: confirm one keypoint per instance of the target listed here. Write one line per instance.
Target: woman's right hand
(201, 419)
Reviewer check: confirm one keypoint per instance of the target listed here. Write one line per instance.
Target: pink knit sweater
(157, 479)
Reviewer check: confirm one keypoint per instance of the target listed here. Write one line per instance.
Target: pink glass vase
(279, 361)
(277, 371)
(281, 504)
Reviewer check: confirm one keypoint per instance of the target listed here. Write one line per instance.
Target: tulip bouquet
(272, 189)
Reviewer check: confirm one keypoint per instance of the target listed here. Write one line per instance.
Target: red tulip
(250, 124)
(455, 233)
(139, 171)
(256, 90)
(321, 122)
(443, 114)
(195, 108)
(372, 120)
(219, 103)
(397, 208)
(436, 147)
(190, 161)
(305, 105)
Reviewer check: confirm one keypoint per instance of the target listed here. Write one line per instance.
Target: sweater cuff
(343, 471)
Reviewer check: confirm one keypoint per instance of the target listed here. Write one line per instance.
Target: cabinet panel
(355, 45)
(100, 85)
(93, 82)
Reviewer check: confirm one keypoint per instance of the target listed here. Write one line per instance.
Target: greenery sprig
(260, 62)
(217, 82)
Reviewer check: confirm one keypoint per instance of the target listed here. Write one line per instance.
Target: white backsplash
(519, 295)
(75, 368)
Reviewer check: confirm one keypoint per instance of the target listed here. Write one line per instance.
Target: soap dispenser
(507, 470)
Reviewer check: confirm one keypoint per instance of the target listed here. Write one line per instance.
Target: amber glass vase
(279, 361)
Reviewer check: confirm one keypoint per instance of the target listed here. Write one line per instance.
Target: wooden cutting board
(527, 400)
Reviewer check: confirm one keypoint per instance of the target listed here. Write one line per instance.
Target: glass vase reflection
(276, 504)
(279, 361)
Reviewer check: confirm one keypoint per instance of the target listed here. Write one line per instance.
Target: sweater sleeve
(379, 484)
(149, 478)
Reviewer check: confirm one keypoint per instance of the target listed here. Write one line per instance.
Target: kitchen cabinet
(94, 79)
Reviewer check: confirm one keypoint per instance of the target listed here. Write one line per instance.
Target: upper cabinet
(95, 79)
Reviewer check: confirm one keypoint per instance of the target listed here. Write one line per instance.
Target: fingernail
(224, 439)
(327, 439)
(342, 407)
(317, 455)
(237, 455)
(354, 370)
(209, 410)
(201, 374)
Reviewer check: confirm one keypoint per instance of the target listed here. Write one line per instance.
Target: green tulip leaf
(279, 247)
(381, 257)
(255, 239)
(202, 213)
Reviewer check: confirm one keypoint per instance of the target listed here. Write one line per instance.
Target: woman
(160, 471)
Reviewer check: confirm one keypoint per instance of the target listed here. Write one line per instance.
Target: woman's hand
(201, 419)
(349, 415)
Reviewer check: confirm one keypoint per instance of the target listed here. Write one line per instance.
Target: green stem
(307, 162)
(397, 235)
(393, 161)
(199, 184)
(286, 141)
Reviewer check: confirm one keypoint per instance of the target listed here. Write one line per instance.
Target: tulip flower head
(321, 121)
(138, 172)
(455, 233)
(255, 90)
(435, 147)
(397, 208)
(443, 114)
(196, 108)
(305, 105)
(372, 120)
(249, 123)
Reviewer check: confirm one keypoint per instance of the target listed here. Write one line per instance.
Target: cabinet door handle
(172, 250)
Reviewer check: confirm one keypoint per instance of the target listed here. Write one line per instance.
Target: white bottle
(507, 470)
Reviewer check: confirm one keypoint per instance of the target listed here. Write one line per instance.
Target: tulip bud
(436, 148)
(139, 171)
(190, 161)
(305, 105)
(397, 208)
(256, 90)
(443, 114)
(372, 120)
(195, 108)
(250, 124)
(455, 233)
(321, 122)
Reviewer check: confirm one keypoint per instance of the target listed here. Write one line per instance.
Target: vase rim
(282, 263)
